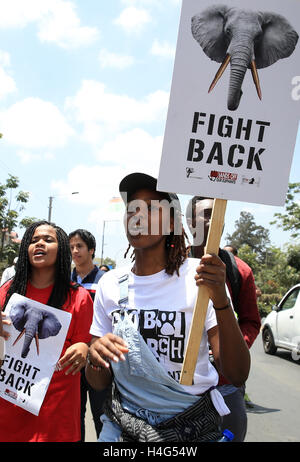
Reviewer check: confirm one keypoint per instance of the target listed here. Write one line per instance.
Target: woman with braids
(142, 316)
(43, 274)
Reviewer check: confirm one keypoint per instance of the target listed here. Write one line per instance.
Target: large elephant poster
(235, 101)
(36, 338)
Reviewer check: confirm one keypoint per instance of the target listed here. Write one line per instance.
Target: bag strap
(233, 275)
(123, 286)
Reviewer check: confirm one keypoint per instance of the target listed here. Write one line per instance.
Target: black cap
(135, 181)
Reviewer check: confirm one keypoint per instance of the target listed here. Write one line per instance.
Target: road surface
(274, 388)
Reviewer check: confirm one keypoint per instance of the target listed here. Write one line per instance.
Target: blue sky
(84, 91)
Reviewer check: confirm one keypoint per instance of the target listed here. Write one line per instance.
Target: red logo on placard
(11, 393)
(223, 177)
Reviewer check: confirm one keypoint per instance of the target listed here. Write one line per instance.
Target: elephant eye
(228, 33)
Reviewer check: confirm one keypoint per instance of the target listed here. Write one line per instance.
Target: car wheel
(268, 341)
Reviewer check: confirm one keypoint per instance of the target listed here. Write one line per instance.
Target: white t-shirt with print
(161, 307)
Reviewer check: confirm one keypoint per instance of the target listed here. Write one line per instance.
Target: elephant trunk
(239, 64)
(30, 333)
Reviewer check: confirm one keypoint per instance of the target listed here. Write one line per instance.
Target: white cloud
(135, 150)
(34, 123)
(57, 21)
(105, 113)
(95, 184)
(133, 20)
(114, 60)
(149, 3)
(62, 26)
(27, 157)
(163, 49)
(4, 58)
(131, 150)
(18, 13)
(7, 84)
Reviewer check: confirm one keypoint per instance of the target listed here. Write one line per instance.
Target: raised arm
(229, 348)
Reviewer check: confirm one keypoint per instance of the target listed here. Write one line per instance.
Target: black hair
(107, 268)
(234, 250)
(87, 237)
(62, 282)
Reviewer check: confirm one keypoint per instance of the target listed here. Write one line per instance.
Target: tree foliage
(247, 232)
(12, 203)
(290, 219)
(109, 262)
(275, 270)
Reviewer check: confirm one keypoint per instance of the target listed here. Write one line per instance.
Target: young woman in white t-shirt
(139, 342)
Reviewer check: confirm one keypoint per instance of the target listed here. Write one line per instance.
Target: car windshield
(291, 300)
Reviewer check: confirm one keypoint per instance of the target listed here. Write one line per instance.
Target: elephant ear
(208, 31)
(49, 326)
(278, 40)
(17, 315)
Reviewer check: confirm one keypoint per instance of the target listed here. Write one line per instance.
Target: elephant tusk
(19, 336)
(37, 343)
(256, 79)
(220, 72)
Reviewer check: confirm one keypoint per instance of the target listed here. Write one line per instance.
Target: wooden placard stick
(200, 310)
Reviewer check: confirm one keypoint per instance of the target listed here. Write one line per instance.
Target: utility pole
(102, 242)
(103, 232)
(51, 201)
(50, 208)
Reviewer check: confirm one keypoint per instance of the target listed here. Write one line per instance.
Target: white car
(281, 327)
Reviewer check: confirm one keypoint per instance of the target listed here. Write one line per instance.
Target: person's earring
(169, 241)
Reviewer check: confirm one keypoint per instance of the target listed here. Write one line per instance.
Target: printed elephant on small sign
(34, 323)
(245, 39)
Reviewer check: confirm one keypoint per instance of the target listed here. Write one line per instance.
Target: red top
(59, 416)
(248, 314)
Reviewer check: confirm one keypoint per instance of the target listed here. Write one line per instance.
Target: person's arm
(248, 314)
(74, 357)
(227, 343)
(97, 370)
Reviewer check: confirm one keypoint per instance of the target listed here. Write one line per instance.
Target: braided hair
(62, 282)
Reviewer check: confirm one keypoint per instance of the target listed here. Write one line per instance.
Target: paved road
(274, 388)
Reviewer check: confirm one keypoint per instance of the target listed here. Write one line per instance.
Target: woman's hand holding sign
(211, 273)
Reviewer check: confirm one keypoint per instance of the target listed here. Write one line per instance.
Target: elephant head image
(245, 39)
(34, 323)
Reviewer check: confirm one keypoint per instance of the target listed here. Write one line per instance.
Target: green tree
(247, 255)
(109, 262)
(247, 232)
(274, 277)
(10, 207)
(290, 219)
(27, 221)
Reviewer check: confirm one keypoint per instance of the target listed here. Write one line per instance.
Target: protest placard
(233, 138)
(36, 338)
(233, 114)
